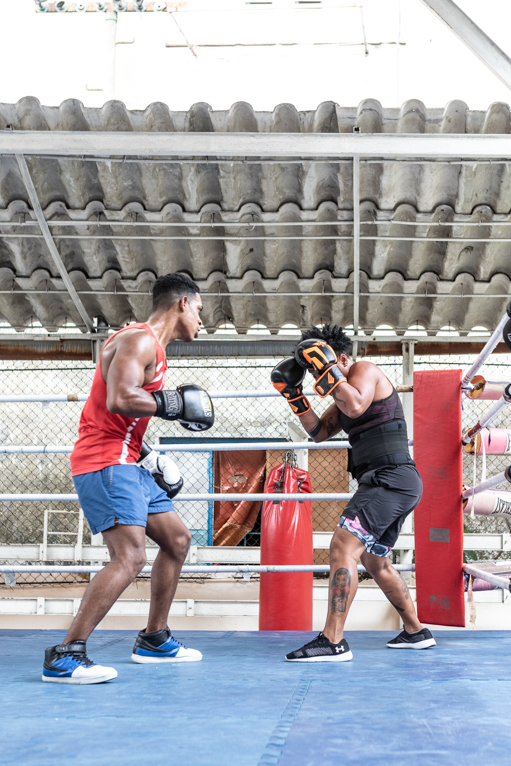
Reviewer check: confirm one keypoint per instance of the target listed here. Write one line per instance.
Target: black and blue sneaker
(69, 664)
(161, 646)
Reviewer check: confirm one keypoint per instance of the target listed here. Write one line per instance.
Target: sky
(58, 56)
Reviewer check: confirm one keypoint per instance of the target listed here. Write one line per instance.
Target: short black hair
(331, 334)
(170, 288)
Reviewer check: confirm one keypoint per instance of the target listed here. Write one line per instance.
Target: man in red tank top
(125, 488)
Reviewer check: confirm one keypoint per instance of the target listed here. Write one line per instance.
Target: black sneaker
(422, 639)
(69, 664)
(320, 649)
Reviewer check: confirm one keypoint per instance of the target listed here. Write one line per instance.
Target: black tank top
(377, 413)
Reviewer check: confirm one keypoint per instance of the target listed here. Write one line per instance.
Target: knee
(180, 545)
(183, 543)
(134, 560)
(376, 569)
(337, 546)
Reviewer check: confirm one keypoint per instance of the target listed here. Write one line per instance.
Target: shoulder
(134, 340)
(364, 368)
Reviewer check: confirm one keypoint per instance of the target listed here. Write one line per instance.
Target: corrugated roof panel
(248, 274)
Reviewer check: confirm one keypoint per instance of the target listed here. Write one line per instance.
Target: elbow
(117, 406)
(356, 411)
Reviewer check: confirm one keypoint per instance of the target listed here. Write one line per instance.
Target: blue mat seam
(277, 741)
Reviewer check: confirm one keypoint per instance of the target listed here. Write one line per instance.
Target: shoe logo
(339, 649)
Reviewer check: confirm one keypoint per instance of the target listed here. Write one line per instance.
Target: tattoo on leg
(388, 594)
(404, 588)
(340, 590)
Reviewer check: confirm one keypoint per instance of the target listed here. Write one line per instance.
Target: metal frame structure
(308, 146)
(473, 37)
(258, 147)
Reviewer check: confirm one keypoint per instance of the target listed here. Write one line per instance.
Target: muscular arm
(321, 429)
(365, 384)
(125, 368)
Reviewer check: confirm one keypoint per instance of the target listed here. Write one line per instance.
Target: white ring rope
(200, 497)
(494, 481)
(13, 449)
(490, 345)
(494, 579)
(242, 394)
(192, 569)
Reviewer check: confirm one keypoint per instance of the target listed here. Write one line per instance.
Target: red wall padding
(285, 598)
(439, 515)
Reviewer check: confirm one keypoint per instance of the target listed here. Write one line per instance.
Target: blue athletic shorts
(122, 494)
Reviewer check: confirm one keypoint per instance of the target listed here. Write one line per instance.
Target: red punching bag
(285, 600)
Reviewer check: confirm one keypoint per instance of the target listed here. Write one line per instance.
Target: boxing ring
(243, 704)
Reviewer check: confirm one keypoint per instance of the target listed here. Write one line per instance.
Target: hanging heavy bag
(285, 600)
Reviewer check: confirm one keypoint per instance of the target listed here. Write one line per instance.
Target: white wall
(56, 56)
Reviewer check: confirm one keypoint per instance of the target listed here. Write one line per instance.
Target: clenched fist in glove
(287, 377)
(189, 404)
(317, 356)
(163, 469)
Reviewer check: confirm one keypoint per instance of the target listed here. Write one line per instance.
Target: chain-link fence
(241, 419)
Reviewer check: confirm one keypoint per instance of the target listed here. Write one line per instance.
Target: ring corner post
(439, 515)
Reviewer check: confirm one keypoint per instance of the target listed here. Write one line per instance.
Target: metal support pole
(52, 248)
(494, 579)
(406, 557)
(111, 45)
(407, 380)
(296, 434)
(490, 345)
(473, 37)
(492, 413)
(356, 251)
(494, 481)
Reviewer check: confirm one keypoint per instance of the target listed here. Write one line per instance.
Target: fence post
(408, 346)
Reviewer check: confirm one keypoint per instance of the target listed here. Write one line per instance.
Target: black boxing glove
(198, 411)
(189, 404)
(163, 470)
(169, 404)
(317, 356)
(287, 377)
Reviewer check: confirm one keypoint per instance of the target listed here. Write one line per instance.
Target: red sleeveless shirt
(105, 439)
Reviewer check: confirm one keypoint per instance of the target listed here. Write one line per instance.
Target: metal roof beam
(80, 348)
(261, 145)
(54, 253)
(473, 37)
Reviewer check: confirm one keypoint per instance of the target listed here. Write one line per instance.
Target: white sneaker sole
(83, 680)
(141, 660)
(327, 658)
(417, 645)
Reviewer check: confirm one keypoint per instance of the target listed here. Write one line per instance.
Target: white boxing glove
(163, 469)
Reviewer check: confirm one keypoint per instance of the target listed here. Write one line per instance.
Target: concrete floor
(243, 705)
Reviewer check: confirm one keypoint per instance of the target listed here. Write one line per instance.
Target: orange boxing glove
(317, 356)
